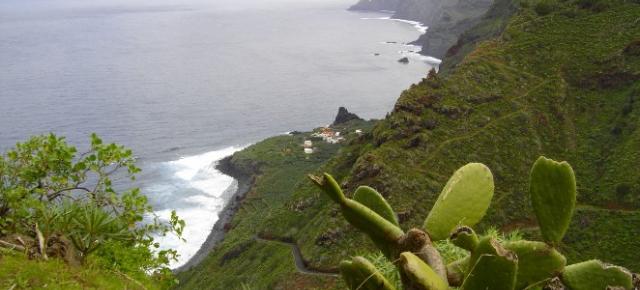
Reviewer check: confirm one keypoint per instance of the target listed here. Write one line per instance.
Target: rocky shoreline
(245, 183)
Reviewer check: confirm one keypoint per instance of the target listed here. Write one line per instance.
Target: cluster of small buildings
(327, 135)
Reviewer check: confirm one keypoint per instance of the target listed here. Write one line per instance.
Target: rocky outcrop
(344, 116)
(376, 5)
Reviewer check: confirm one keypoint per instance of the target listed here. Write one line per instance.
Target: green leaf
(553, 197)
(463, 201)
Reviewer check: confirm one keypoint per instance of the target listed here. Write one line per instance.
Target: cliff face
(446, 19)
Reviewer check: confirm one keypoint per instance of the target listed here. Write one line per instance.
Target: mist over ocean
(186, 83)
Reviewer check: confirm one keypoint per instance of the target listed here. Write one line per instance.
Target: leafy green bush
(422, 257)
(50, 194)
(545, 7)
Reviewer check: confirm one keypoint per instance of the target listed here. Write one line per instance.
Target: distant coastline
(418, 26)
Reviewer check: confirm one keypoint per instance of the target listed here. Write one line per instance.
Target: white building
(308, 144)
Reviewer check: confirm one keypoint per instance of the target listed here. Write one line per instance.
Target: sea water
(186, 83)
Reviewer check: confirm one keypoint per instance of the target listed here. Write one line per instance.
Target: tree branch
(58, 193)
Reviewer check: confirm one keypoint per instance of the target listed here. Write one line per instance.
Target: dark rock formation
(344, 116)
(376, 5)
(404, 60)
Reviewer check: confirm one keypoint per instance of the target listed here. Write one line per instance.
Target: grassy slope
(18, 272)
(559, 85)
(240, 260)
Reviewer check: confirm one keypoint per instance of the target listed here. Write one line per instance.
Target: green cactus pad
(370, 198)
(456, 271)
(486, 246)
(596, 275)
(418, 275)
(330, 186)
(537, 262)
(384, 233)
(464, 237)
(363, 275)
(553, 196)
(368, 221)
(463, 201)
(493, 272)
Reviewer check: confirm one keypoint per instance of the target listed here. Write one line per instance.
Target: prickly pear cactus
(418, 275)
(536, 262)
(370, 198)
(490, 264)
(359, 273)
(463, 201)
(464, 237)
(493, 272)
(596, 275)
(553, 196)
(360, 216)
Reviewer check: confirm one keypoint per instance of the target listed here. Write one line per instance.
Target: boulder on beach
(404, 60)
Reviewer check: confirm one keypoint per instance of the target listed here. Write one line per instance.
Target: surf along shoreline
(245, 182)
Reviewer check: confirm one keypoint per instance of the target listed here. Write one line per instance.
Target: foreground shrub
(489, 262)
(55, 202)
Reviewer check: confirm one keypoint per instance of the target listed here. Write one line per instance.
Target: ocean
(186, 83)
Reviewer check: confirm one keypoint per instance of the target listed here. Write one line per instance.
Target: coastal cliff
(446, 19)
(522, 82)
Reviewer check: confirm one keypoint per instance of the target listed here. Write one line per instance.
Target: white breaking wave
(413, 53)
(198, 193)
(417, 25)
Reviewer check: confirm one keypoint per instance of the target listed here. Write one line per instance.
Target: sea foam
(198, 192)
(417, 25)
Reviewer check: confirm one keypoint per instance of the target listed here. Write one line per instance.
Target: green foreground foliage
(58, 204)
(17, 271)
(490, 264)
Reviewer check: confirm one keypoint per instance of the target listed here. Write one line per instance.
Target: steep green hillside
(562, 85)
(560, 80)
